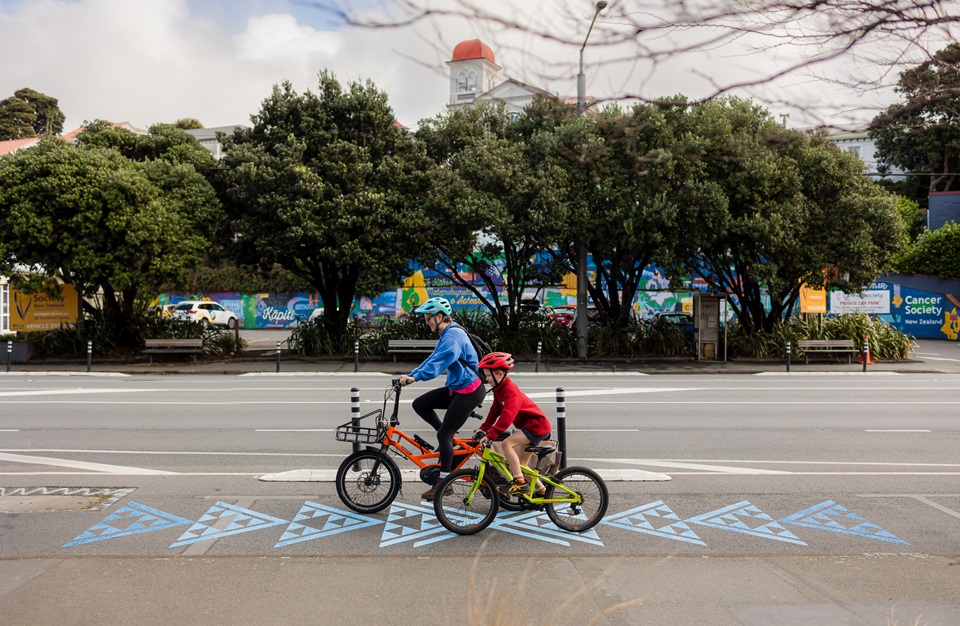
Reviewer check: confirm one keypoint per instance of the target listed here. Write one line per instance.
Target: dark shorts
(534, 439)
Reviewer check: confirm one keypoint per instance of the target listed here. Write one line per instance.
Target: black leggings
(457, 406)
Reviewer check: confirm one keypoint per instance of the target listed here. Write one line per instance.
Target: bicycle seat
(541, 451)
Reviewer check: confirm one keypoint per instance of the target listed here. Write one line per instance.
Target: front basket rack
(352, 431)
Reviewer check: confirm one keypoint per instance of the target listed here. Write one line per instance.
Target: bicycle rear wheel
(593, 506)
(451, 506)
(368, 481)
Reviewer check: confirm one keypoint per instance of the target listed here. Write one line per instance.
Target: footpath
(930, 357)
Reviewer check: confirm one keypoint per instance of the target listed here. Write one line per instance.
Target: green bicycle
(466, 502)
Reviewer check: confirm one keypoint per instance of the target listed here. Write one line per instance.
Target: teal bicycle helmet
(434, 306)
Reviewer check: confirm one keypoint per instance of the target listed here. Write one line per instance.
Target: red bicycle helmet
(496, 361)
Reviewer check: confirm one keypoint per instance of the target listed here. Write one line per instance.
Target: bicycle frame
(418, 453)
(490, 458)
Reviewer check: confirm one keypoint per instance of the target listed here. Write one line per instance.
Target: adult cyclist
(463, 390)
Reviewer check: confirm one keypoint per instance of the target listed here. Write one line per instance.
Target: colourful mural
(923, 314)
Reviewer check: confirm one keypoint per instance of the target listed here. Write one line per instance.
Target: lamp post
(581, 247)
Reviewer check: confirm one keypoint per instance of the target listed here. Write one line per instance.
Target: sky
(152, 61)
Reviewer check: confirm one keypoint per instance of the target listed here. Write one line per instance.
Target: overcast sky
(150, 61)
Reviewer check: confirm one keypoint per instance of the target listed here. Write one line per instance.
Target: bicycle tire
(451, 508)
(363, 491)
(579, 517)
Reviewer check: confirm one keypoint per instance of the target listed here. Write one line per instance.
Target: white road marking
(690, 466)
(99, 467)
(294, 430)
(172, 453)
(58, 392)
(934, 358)
(904, 430)
(407, 475)
(613, 392)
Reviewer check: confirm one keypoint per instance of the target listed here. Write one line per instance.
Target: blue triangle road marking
(317, 520)
(132, 518)
(408, 522)
(744, 517)
(223, 520)
(657, 519)
(836, 518)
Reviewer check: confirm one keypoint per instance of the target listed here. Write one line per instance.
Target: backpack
(482, 348)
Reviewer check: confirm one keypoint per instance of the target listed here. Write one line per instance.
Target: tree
(633, 194)
(113, 226)
(496, 204)
(188, 123)
(788, 207)
(327, 186)
(935, 253)
(921, 135)
(29, 113)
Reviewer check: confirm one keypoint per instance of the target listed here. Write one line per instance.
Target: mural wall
(922, 314)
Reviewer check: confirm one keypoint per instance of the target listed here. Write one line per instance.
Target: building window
(854, 150)
(472, 81)
(461, 82)
(513, 116)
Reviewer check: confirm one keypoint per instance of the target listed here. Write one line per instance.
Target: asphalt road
(770, 499)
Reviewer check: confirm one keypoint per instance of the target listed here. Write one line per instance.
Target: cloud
(155, 61)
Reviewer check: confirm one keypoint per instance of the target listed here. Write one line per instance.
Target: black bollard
(355, 413)
(561, 427)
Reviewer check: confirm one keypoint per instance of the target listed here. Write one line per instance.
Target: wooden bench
(828, 346)
(173, 346)
(397, 346)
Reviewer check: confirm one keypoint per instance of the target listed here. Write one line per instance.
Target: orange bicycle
(369, 480)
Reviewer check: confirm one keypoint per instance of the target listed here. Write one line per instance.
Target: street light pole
(581, 247)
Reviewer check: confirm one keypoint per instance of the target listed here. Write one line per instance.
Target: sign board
(32, 312)
(813, 300)
(872, 302)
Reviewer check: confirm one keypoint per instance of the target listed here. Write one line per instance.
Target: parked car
(207, 312)
(163, 310)
(683, 320)
(566, 315)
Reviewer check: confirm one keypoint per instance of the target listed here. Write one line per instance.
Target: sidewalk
(931, 357)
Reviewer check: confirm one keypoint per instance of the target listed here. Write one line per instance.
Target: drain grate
(106, 496)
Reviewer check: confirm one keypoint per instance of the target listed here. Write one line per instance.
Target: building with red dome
(476, 77)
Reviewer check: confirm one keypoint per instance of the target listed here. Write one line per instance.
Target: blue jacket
(453, 344)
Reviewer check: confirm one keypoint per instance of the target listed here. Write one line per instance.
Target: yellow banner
(813, 300)
(32, 312)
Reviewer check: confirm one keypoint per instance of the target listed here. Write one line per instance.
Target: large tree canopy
(496, 197)
(29, 113)
(921, 134)
(633, 197)
(328, 186)
(108, 223)
(789, 208)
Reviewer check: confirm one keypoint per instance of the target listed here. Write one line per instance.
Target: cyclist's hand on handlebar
(483, 441)
(406, 380)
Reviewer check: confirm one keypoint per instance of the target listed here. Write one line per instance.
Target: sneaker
(431, 493)
(518, 488)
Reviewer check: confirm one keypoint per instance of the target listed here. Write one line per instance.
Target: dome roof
(473, 49)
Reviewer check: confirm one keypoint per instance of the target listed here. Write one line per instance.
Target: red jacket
(512, 406)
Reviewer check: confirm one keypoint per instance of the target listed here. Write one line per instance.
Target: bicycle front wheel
(457, 511)
(368, 481)
(578, 517)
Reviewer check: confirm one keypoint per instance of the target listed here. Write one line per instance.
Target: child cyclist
(511, 407)
(463, 391)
